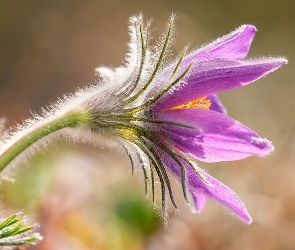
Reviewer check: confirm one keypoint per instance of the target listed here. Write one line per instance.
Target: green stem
(70, 119)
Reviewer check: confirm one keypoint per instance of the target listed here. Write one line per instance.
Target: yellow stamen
(126, 133)
(201, 103)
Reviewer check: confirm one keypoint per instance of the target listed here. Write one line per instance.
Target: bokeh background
(86, 198)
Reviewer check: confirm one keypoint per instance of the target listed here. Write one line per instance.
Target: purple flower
(177, 118)
(166, 114)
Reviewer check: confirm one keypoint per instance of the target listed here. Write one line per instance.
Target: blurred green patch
(31, 183)
(136, 213)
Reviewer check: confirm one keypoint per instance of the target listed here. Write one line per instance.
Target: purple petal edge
(221, 193)
(199, 200)
(218, 137)
(216, 104)
(213, 189)
(217, 75)
(235, 45)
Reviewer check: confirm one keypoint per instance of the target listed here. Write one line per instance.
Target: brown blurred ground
(48, 48)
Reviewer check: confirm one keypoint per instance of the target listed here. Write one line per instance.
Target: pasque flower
(166, 115)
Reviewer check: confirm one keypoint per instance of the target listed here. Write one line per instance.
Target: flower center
(201, 103)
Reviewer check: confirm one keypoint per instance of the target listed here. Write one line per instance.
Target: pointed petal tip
(283, 60)
(265, 146)
(249, 27)
(278, 60)
(246, 218)
(242, 214)
(249, 221)
(246, 33)
(246, 30)
(263, 66)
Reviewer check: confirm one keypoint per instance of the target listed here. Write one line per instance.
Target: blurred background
(86, 198)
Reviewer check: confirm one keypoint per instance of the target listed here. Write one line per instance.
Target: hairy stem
(70, 119)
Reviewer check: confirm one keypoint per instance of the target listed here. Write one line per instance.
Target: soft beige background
(49, 48)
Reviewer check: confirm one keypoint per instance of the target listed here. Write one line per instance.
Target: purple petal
(199, 200)
(219, 192)
(218, 137)
(216, 104)
(216, 190)
(235, 45)
(217, 75)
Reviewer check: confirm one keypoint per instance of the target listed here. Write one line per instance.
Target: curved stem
(70, 119)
